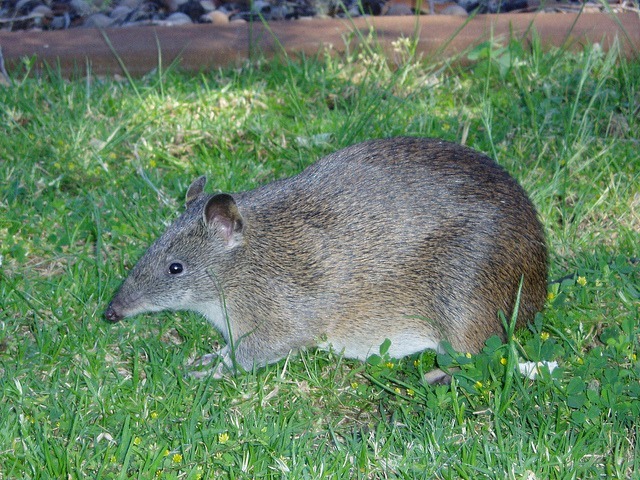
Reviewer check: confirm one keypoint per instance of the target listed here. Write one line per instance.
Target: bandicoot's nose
(111, 315)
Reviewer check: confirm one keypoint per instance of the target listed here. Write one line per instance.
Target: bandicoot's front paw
(221, 359)
(205, 360)
(216, 372)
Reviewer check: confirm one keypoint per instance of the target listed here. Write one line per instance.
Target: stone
(42, 11)
(24, 7)
(81, 7)
(216, 17)
(177, 18)
(41, 16)
(398, 9)
(259, 6)
(120, 13)
(173, 5)
(279, 12)
(131, 4)
(60, 22)
(456, 10)
(208, 5)
(468, 5)
(98, 20)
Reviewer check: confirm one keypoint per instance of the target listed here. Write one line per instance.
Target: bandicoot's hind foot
(437, 377)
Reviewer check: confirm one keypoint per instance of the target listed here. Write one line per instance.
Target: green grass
(92, 171)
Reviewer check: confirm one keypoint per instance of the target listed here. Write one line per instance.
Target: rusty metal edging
(198, 47)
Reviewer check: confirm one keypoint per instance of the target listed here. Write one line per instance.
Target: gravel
(66, 14)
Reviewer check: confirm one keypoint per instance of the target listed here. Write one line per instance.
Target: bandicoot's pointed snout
(111, 315)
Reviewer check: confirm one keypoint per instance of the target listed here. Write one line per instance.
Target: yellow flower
(416, 363)
(354, 385)
(503, 361)
(137, 441)
(154, 415)
(223, 438)
(389, 364)
(397, 390)
(551, 296)
(582, 281)
(544, 336)
(177, 458)
(152, 163)
(468, 355)
(166, 453)
(410, 392)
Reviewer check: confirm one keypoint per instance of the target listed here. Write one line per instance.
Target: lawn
(93, 169)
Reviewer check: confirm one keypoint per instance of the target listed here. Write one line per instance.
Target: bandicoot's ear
(221, 212)
(195, 189)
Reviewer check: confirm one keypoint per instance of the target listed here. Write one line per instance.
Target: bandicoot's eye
(175, 268)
